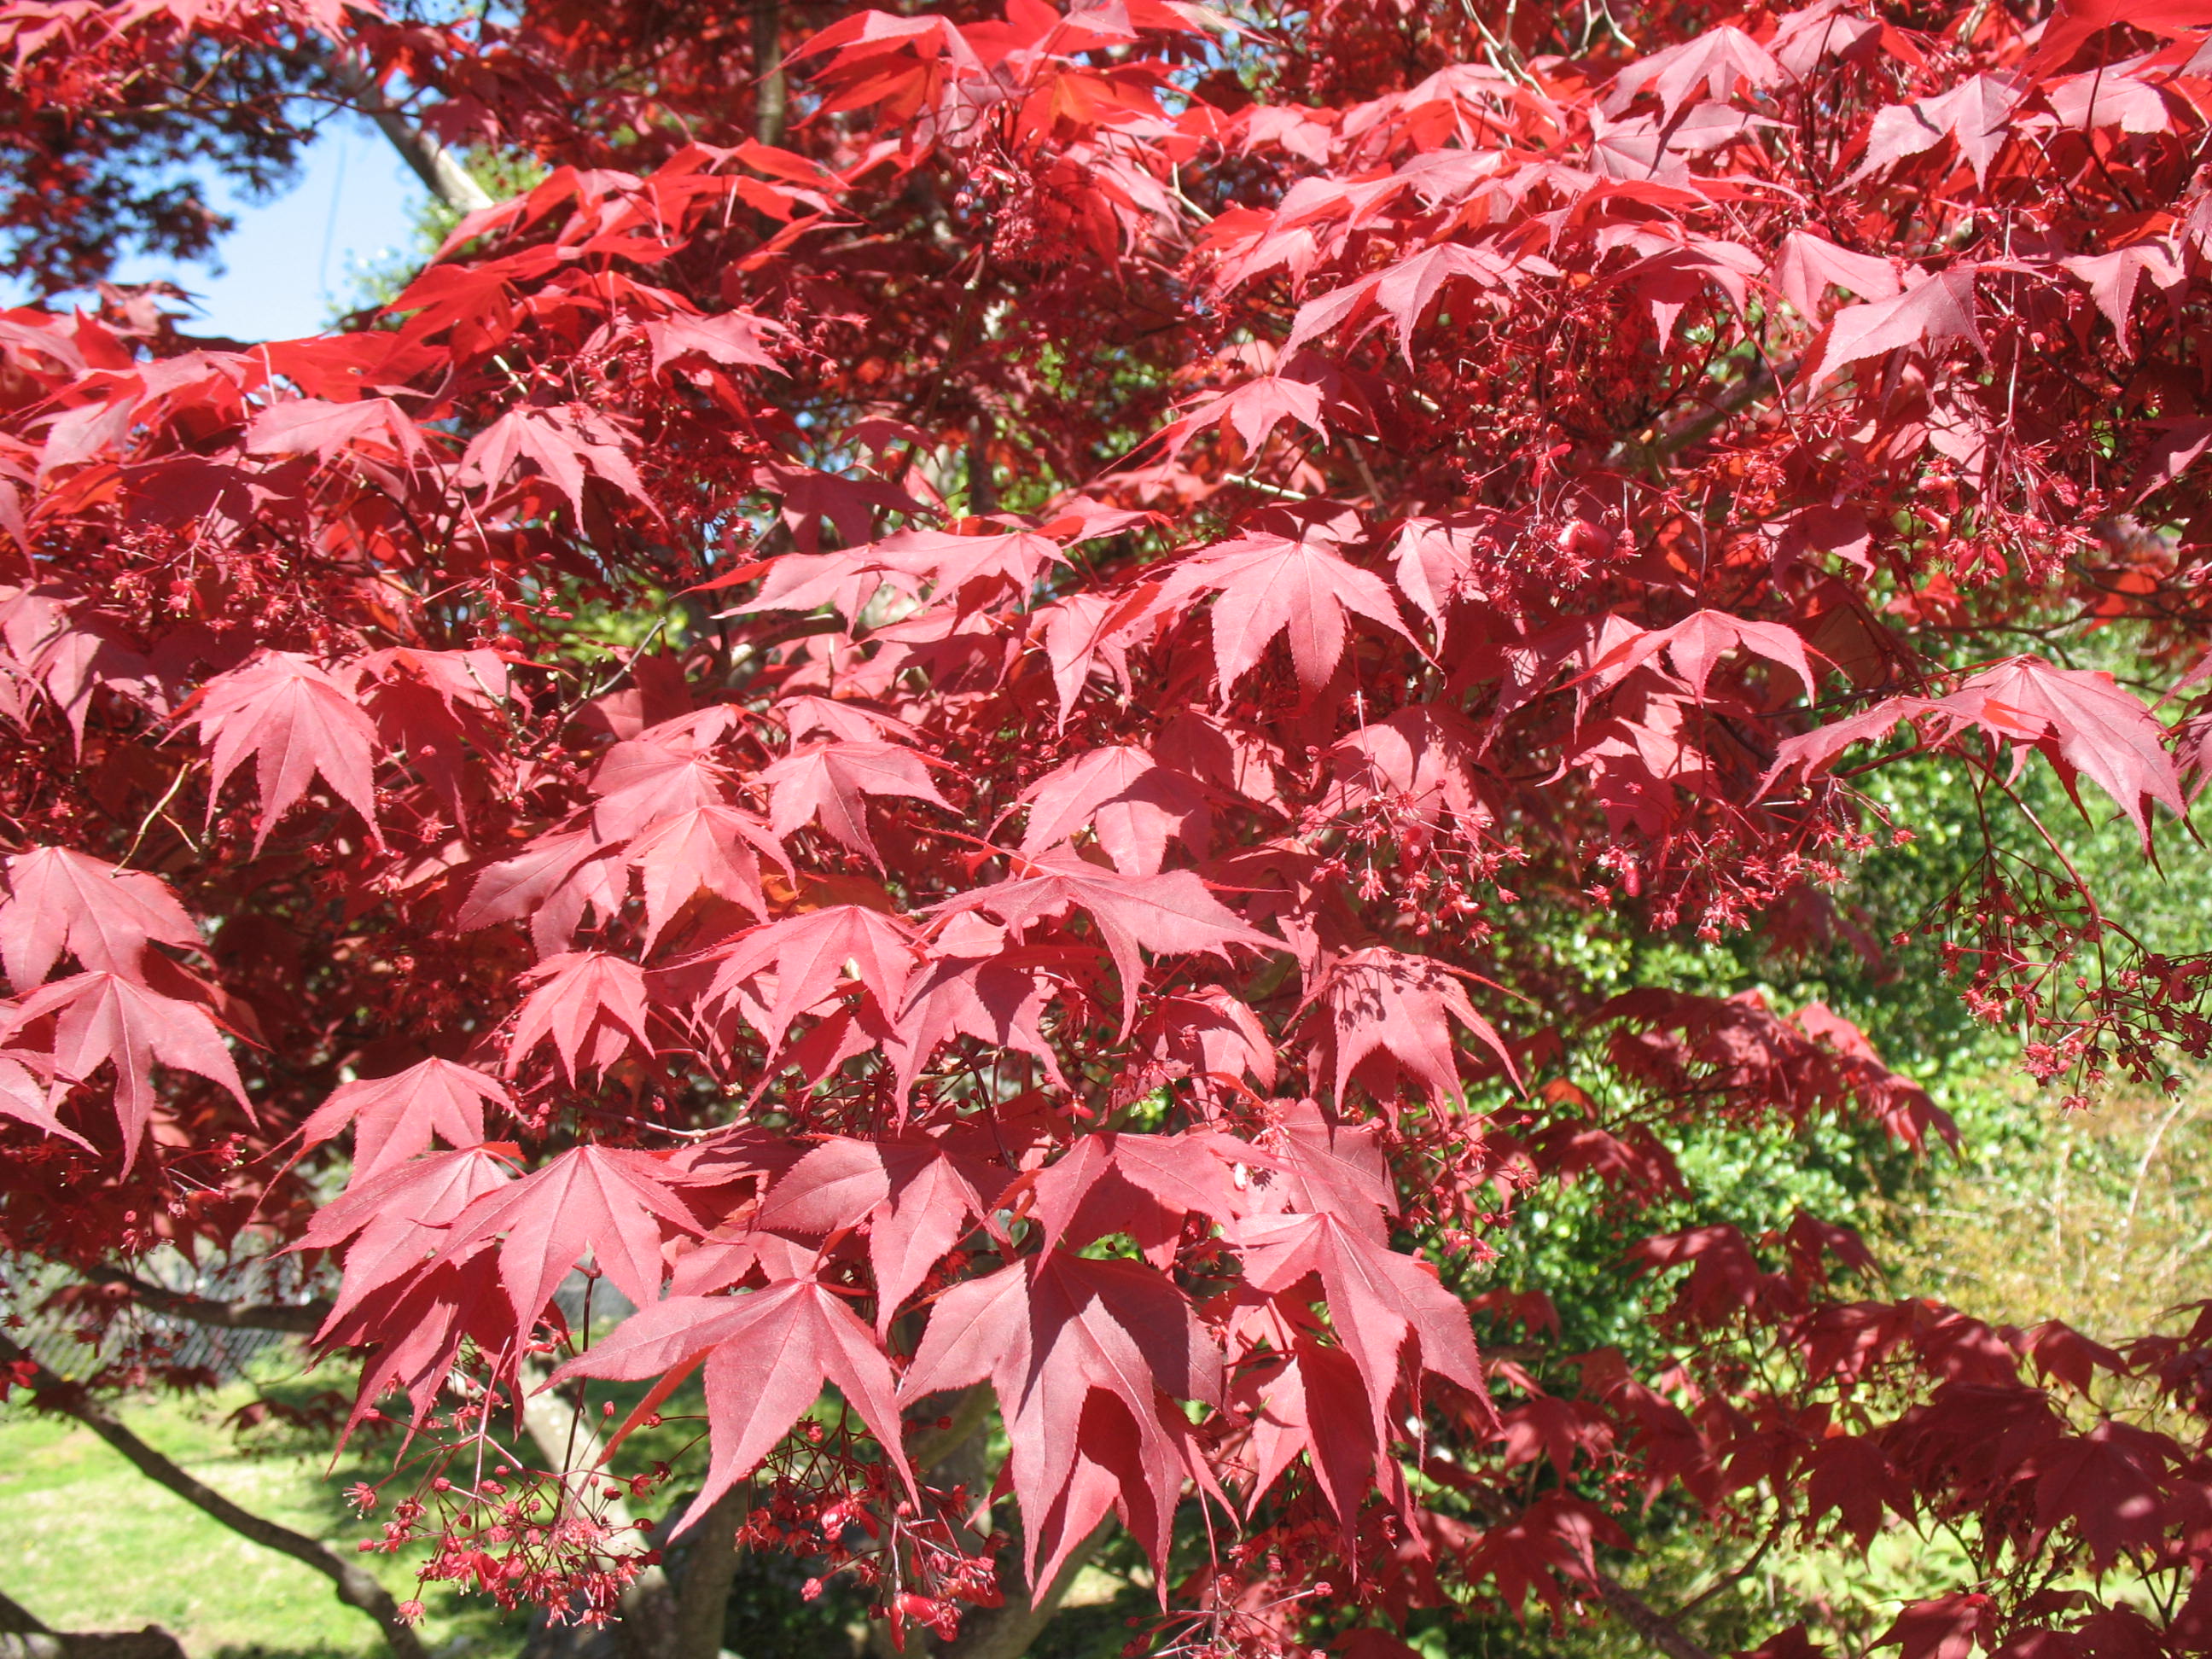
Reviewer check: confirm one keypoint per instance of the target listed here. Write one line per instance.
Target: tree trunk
(703, 1589)
(355, 1587)
(1005, 1631)
(771, 93)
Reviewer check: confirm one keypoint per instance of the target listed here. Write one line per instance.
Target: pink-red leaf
(767, 1352)
(296, 722)
(395, 1117)
(59, 900)
(1269, 584)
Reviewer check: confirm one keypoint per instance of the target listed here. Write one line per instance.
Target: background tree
(1251, 648)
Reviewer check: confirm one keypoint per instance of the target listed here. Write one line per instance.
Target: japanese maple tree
(982, 709)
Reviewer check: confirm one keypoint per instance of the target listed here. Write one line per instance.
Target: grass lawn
(89, 1543)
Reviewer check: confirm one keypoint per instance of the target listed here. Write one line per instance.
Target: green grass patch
(89, 1543)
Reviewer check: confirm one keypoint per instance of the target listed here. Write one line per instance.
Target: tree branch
(433, 164)
(1692, 428)
(355, 1587)
(151, 1643)
(16, 1619)
(1647, 1621)
(298, 1318)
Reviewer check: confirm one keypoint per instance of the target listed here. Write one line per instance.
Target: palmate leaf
(767, 1354)
(1135, 805)
(1268, 585)
(1381, 1305)
(809, 955)
(917, 1198)
(1049, 1334)
(297, 723)
(832, 783)
(1387, 1012)
(102, 1019)
(393, 1118)
(583, 997)
(1931, 312)
(58, 900)
(603, 1202)
(1170, 913)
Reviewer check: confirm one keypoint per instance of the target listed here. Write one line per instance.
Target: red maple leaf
(601, 1201)
(1719, 60)
(1976, 114)
(1808, 264)
(1252, 410)
(104, 1019)
(1932, 313)
(1404, 291)
(1313, 1407)
(1139, 1184)
(917, 1198)
(1696, 642)
(767, 1352)
(58, 900)
(397, 1218)
(1386, 1012)
(711, 848)
(314, 426)
(395, 1117)
(807, 955)
(297, 722)
(583, 997)
(24, 1094)
(552, 883)
(1133, 805)
(1269, 584)
(976, 985)
(1382, 1305)
(1049, 1332)
(2110, 1483)
(2087, 722)
(646, 779)
(1171, 913)
(1947, 1627)
(735, 338)
(568, 442)
(833, 781)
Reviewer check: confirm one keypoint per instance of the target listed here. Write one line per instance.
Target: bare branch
(300, 1318)
(433, 164)
(1647, 1621)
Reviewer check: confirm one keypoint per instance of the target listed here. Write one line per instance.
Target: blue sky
(294, 261)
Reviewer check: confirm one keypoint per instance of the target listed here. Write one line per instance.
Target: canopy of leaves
(1277, 636)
